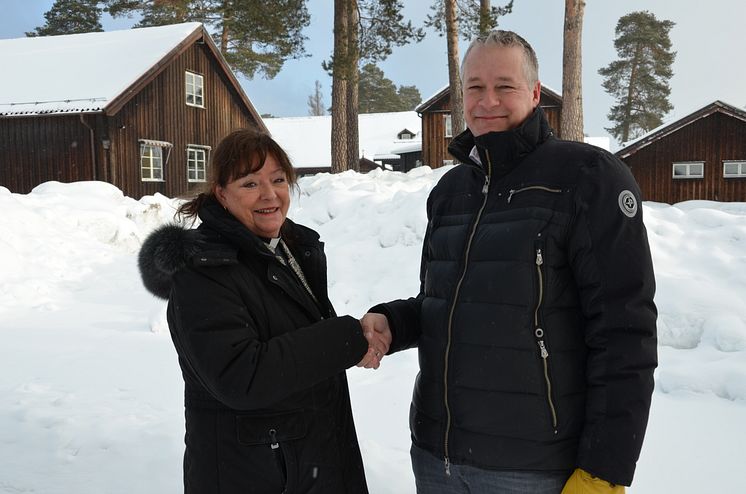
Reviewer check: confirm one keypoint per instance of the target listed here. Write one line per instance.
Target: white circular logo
(628, 203)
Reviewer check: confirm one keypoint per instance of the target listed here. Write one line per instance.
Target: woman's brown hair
(239, 153)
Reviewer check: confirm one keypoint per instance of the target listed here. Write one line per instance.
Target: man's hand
(377, 332)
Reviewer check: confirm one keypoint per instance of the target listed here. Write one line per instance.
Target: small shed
(139, 108)
(700, 156)
(436, 123)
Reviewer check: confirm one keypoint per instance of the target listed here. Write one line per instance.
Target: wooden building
(436, 123)
(701, 156)
(140, 108)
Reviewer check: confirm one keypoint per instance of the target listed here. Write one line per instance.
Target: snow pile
(90, 390)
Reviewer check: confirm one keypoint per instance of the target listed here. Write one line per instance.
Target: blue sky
(709, 41)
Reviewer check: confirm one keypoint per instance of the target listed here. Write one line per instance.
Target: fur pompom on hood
(167, 250)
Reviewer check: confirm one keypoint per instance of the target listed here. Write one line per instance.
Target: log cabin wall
(713, 139)
(159, 112)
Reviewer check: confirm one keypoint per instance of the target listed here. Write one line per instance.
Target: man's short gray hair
(509, 39)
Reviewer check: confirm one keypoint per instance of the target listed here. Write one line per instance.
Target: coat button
(307, 253)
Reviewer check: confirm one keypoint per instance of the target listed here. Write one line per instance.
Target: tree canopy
(254, 36)
(379, 94)
(473, 19)
(70, 17)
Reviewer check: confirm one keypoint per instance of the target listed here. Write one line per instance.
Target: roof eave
(706, 111)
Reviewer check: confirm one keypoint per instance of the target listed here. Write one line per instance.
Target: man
(535, 321)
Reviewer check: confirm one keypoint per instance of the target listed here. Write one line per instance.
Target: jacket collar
(503, 150)
(215, 217)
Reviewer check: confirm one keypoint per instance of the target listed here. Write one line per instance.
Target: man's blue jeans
(430, 476)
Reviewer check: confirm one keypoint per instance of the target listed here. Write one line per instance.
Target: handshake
(377, 332)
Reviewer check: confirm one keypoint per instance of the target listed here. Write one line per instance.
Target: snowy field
(90, 389)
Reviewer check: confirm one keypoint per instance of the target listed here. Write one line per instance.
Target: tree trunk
(353, 77)
(484, 17)
(454, 78)
(571, 121)
(339, 88)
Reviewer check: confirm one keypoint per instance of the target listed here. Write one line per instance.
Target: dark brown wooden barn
(173, 98)
(701, 156)
(436, 123)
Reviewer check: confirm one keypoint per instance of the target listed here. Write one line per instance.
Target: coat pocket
(276, 432)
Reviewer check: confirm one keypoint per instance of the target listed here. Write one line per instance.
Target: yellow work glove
(582, 482)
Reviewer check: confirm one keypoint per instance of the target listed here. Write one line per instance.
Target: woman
(261, 352)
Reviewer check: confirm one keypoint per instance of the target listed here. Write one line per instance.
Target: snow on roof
(307, 140)
(80, 72)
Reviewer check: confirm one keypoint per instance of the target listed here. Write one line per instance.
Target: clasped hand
(378, 333)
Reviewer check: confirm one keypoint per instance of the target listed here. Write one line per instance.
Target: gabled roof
(307, 140)
(93, 72)
(635, 145)
(437, 98)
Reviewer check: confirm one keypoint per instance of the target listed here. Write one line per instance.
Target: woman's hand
(378, 333)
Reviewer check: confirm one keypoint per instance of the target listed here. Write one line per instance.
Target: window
(195, 86)
(448, 125)
(197, 163)
(152, 159)
(690, 169)
(734, 169)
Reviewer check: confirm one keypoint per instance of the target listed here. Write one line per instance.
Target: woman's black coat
(266, 397)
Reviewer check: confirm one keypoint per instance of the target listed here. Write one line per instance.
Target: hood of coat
(503, 150)
(167, 250)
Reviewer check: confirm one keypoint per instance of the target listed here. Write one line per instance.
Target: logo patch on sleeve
(628, 203)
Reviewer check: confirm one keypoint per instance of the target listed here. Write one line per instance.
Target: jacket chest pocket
(274, 437)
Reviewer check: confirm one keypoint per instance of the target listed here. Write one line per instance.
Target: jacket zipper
(279, 457)
(485, 190)
(539, 332)
(512, 192)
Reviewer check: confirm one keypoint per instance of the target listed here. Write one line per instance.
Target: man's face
(497, 96)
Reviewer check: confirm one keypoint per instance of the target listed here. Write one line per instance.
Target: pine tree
(379, 94)
(475, 17)
(316, 101)
(639, 79)
(70, 17)
(467, 18)
(363, 30)
(255, 36)
(410, 97)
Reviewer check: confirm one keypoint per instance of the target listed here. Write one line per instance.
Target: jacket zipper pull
(544, 352)
(273, 437)
(486, 185)
(539, 258)
(448, 467)
(510, 195)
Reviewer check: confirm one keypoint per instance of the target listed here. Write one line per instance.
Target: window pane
(730, 168)
(679, 170)
(695, 169)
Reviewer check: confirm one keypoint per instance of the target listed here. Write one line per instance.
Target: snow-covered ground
(91, 394)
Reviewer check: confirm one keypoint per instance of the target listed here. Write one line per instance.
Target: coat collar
(503, 150)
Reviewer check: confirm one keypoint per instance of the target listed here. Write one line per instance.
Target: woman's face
(259, 200)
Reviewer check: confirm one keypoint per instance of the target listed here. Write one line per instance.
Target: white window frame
(152, 159)
(741, 168)
(687, 166)
(448, 124)
(195, 89)
(196, 166)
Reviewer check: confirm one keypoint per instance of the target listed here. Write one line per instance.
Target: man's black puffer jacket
(535, 320)
(266, 397)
